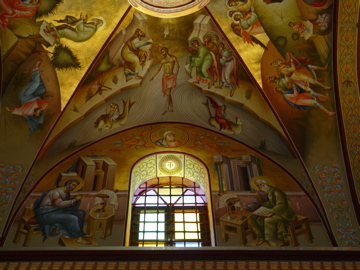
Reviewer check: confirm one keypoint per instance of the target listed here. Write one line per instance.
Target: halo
(227, 4)
(208, 34)
(221, 42)
(77, 178)
(230, 11)
(162, 131)
(195, 38)
(213, 33)
(141, 28)
(265, 178)
(102, 27)
(233, 16)
(169, 132)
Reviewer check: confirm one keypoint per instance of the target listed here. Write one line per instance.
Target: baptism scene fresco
(210, 123)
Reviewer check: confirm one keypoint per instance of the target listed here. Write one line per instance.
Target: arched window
(170, 211)
(169, 202)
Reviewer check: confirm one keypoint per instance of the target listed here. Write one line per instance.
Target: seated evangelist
(271, 215)
(58, 214)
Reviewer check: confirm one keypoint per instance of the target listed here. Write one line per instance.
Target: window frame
(170, 209)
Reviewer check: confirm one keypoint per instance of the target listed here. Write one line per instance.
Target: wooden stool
(298, 227)
(28, 225)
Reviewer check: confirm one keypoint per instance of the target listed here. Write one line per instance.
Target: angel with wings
(220, 115)
(220, 120)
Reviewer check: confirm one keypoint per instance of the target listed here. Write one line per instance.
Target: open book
(261, 210)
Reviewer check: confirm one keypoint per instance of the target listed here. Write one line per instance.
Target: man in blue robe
(56, 211)
(32, 106)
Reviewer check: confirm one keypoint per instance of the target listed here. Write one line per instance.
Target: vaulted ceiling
(312, 140)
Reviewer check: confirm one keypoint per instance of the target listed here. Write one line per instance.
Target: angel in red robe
(220, 115)
(17, 9)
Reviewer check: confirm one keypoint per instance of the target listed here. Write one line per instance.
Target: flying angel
(220, 119)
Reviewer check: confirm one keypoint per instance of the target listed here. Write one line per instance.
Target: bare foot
(128, 78)
(82, 241)
(324, 98)
(275, 243)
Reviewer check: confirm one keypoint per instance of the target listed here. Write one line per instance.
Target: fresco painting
(160, 118)
(169, 137)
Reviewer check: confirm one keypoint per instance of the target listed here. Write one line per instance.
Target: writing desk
(238, 226)
(100, 220)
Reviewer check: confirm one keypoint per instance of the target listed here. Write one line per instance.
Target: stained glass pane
(161, 236)
(192, 227)
(192, 235)
(179, 226)
(179, 235)
(149, 235)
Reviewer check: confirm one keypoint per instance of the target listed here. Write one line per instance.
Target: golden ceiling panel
(69, 80)
(168, 8)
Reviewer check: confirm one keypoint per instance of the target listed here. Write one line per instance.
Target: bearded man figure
(272, 226)
(202, 60)
(132, 54)
(58, 213)
(169, 76)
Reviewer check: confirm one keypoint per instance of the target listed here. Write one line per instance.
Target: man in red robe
(17, 9)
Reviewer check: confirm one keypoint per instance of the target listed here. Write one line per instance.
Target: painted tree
(63, 58)
(48, 7)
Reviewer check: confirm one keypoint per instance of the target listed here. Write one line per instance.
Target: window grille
(168, 212)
